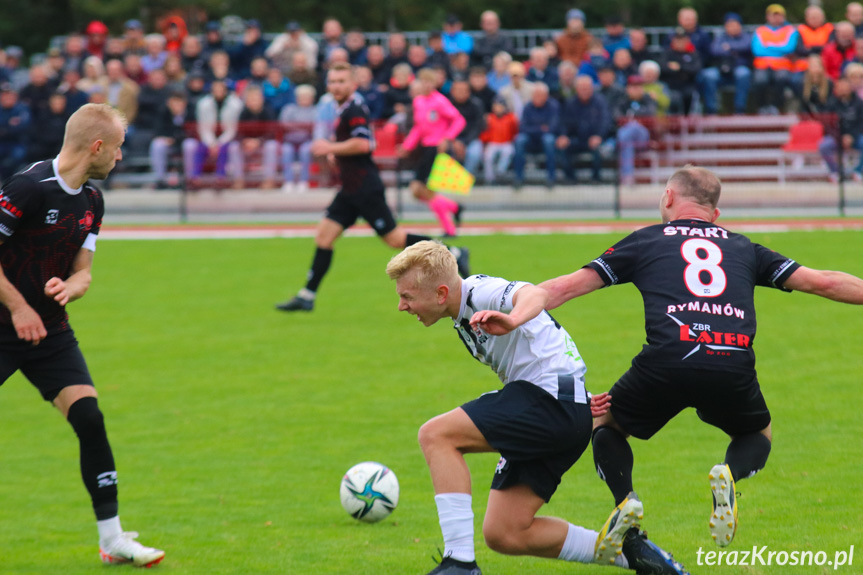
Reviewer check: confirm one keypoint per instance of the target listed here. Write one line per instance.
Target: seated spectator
(459, 66)
(152, 98)
(491, 41)
(848, 108)
(397, 97)
(75, 98)
(597, 57)
(615, 36)
(243, 54)
(73, 51)
(332, 37)
(174, 72)
(156, 54)
(815, 33)
(258, 72)
(854, 73)
(133, 69)
(115, 49)
(37, 92)
(55, 65)
(454, 38)
(817, 87)
(699, 39)
(498, 137)
(94, 72)
(437, 56)
(417, 57)
(840, 50)
(519, 91)
(773, 46)
(97, 35)
(255, 137)
(858, 55)
(623, 67)
(573, 42)
(478, 80)
(14, 132)
(301, 72)
(397, 54)
(585, 123)
(467, 147)
(298, 121)
(566, 73)
(174, 30)
(854, 14)
(169, 134)
(120, 92)
(653, 87)
(213, 41)
(196, 88)
(355, 44)
(17, 74)
(376, 57)
(679, 68)
(220, 69)
(553, 53)
(538, 127)
(370, 92)
(632, 134)
(639, 50)
(498, 76)
(278, 90)
(610, 89)
(133, 38)
(283, 47)
(731, 54)
(540, 71)
(216, 113)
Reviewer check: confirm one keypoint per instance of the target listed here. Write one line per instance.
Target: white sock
(456, 524)
(306, 294)
(109, 528)
(579, 546)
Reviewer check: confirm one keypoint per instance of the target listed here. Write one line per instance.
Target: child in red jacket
(501, 129)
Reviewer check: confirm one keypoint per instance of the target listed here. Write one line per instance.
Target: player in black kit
(697, 281)
(362, 192)
(50, 215)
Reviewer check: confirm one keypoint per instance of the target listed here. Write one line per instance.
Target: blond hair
(697, 184)
(433, 261)
(89, 123)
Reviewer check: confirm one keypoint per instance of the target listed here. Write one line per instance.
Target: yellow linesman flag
(447, 175)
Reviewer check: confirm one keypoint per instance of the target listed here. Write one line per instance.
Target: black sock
(320, 265)
(97, 461)
(747, 455)
(414, 238)
(612, 456)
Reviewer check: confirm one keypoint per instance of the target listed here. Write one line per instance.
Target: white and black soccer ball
(369, 491)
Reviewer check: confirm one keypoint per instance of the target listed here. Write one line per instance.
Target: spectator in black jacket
(46, 134)
(639, 51)
(478, 79)
(170, 133)
(679, 68)
(398, 54)
(437, 56)
(848, 109)
(699, 39)
(467, 147)
(252, 46)
(585, 122)
(613, 93)
(491, 41)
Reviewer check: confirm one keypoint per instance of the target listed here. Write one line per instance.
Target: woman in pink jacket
(436, 123)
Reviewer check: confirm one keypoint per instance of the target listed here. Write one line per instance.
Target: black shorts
(645, 398)
(370, 205)
(55, 363)
(538, 436)
(425, 156)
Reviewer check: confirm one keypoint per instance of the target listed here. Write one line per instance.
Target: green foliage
(232, 423)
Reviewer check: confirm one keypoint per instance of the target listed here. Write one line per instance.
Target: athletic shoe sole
(106, 558)
(609, 542)
(723, 519)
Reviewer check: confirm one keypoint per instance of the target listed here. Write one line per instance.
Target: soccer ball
(369, 491)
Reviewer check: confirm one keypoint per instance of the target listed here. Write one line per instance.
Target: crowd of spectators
(217, 103)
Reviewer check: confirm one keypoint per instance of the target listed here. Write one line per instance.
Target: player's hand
(55, 288)
(320, 148)
(492, 322)
(28, 325)
(600, 404)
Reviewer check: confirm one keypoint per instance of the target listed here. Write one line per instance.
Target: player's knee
(501, 539)
(431, 434)
(86, 418)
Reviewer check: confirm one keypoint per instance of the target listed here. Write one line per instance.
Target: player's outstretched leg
(122, 548)
(723, 518)
(646, 558)
(609, 542)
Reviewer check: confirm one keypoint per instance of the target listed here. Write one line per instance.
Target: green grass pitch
(232, 424)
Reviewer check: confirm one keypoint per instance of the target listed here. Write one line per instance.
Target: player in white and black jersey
(540, 421)
(50, 216)
(362, 191)
(697, 280)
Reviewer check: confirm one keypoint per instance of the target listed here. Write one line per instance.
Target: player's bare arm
(28, 324)
(564, 288)
(350, 147)
(76, 285)
(838, 286)
(528, 302)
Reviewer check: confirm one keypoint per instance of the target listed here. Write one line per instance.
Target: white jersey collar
(66, 188)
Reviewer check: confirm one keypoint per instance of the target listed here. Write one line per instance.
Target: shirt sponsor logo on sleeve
(8, 207)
